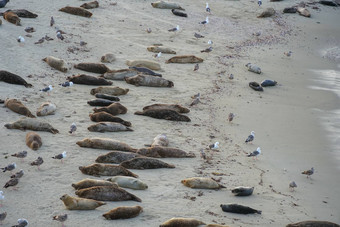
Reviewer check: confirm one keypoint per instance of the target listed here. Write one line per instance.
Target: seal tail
(190, 155)
(221, 186)
(28, 85)
(135, 198)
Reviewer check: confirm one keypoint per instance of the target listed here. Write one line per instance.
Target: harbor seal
(114, 109)
(123, 212)
(164, 50)
(145, 163)
(106, 193)
(88, 80)
(146, 71)
(255, 86)
(166, 5)
(268, 83)
(267, 13)
(149, 81)
(33, 140)
(164, 152)
(88, 183)
(110, 90)
(90, 5)
(103, 116)
(175, 107)
(253, 68)
(108, 97)
(12, 78)
(183, 59)
(178, 13)
(22, 13)
(313, 224)
(128, 182)
(303, 11)
(116, 157)
(242, 191)
(32, 124)
(239, 209)
(105, 143)
(165, 114)
(119, 74)
(99, 102)
(144, 63)
(46, 108)
(290, 10)
(17, 107)
(201, 183)
(160, 140)
(73, 203)
(78, 11)
(174, 222)
(108, 127)
(12, 18)
(108, 58)
(92, 67)
(56, 63)
(98, 169)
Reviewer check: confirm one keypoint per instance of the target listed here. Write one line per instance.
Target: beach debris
(255, 153)
(231, 117)
(60, 156)
(292, 185)
(309, 172)
(9, 167)
(255, 86)
(251, 137)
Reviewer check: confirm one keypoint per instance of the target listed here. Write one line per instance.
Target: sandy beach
(290, 120)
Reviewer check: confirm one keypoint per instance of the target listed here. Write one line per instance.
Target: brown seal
(46, 108)
(92, 67)
(149, 81)
(174, 222)
(145, 163)
(123, 212)
(267, 13)
(164, 50)
(107, 58)
(90, 5)
(313, 224)
(103, 116)
(202, 183)
(110, 90)
(144, 63)
(12, 18)
(56, 63)
(88, 80)
(160, 140)
(12, 78)
(17, 107)
(32, 124)
(108, 127)
(88, 183)
(165, 114)
(33, 140)
(100, 102)
(73, 203)
(185, 59)
(76, 11)
(116, 157)
(120, 74)
(175, 107)
(98, 169)
(166, 5)
(114, 109)
(164, 152)
(22, 13)
(106, 193)
(105, 143)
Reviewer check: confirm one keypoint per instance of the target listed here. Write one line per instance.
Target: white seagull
(250, 137)
(174, 29)
(73, 128)
(255, 153)
(214, 146)
(205, 22)
(207, 9)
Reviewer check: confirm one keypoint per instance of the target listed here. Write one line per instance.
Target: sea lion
(99, 102)
(268, 83)
(106, 193)
(267, 13)
(88, 183)
(178, 13)
(144, 63)
(160, 140)
(128, 182)
(166, 5)
(255, 86)
(32, 124)
(201, 183)
(73, 203)
(46, 108)
(145, 163)
(108, 58)
(108, 97)
(164, 152)
(253, 68)
(88, 80)
(242, 191)
(145, 71)
(56, 63)
(12, 18)
(187, 222)
(303, 11)
(17, 107)
(114, 109)
(184, 59)
(239, 209)
(123, 212)
(164, 50)
(105, 143)
(313, 224)
(166, 114)
(175, 107)
(149, 81)
(116, 157)
(90, 5)
(290, 10)
(103, 116)
(12, 78)
(76, 11)
(33, 140)
(92, 67)
(110, 90)
(119, 74)
(98, 169)
(108, 127)
(23, 13)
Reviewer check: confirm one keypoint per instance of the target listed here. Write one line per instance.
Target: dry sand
(285, 118)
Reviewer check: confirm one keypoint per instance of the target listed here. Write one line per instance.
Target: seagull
(66, 84)
(47, 89)
(231, 117)
(21, 155)
(205, 22)
(60, 218)
(196, 101)
(18, 174)
(2, 217)
(21, 223)
(60, 36)
(38, 162)
(256, 33)
(308, 172)
(20, 39)
(203, 155)
(148, 30)
(214, 146)
(40, 40)
(195, 96)
(52, 21)
(196, 67)
(250, 137)
(207, 50)
(292, 185)
(259, 2)
(48, 38)
(29, 29)
(174, 29)
(12, 182)
(2, 197)
(288, 54)
(60, 156)
(158, 55)
(10, 167)
(198, 35)
(207, 9)
(82, 43)
(73, 128)
(231, 76)
(255, 153)
(210, 42)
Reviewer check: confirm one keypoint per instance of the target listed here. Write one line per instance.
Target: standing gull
(259, 2)
(12, 182)
(214, 146)
(158, 55)
(60, 36)
(21, 223)
(47, 89)
(205, 22)
(18, 174)
(203, 155)
(52, 21)
(61, 218)
(198, 35)
(292, 185)
(174, 29)
(73, 128)
(207, 8)
(37, 162)
(288, 54)
(66, 84)
(196, 100)
(207, 50)
(196, 67)
(60, 156)
(21, 155)
(20, 39)
(2, 197)
(231, 117)
(255, 153)
(308, 172)
(10, 167)
(250, 137)
(231, 76)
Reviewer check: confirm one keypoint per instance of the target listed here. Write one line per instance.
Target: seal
(119, 74)
(145, 163)
(149, 81)
(303, 12)
(178, 13)
(242, 191)
(268, 83)
(105, 143)
(290, 10)
(56, 63)
(165, 114)
(103, 116)
(92, 67)
(255, 86)
(32, 124)
(88, 80)
(108, 58)
(108, 127)
(239, 209)
(73, 203)
(123, 212)
(164, 50)
(313, 224)
(106, 193)
(76, 11)
(144, 63)
(108, 97)
(110, 90)
(88, 183)
(98, 169)
(329, 3)
(23, 13)
(17, 107)
(46, 108)
(145, 71)
(3, 4)
(166, 5)
(201, 183)
(253, 68)
(160, 140)
(33, 140)
(90, 5)
(267, 13)
(12, 18)
(174, 222)
(12, 78)
(175, 107)
(128, 182)
(99, 102)
(114, 109)
(183, 59)
(164, 152)
(116, 157)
